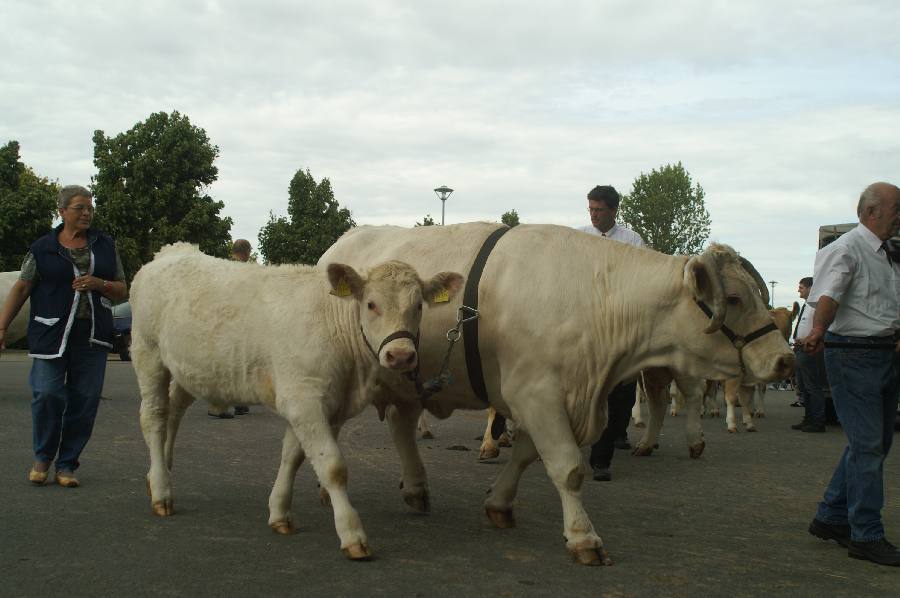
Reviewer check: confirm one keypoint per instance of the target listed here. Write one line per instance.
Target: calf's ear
(442, 287)
(345, 282)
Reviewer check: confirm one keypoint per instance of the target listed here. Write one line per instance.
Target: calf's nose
(399, 359)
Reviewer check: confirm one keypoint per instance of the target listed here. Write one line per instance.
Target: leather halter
(389, 338)
(737, 340)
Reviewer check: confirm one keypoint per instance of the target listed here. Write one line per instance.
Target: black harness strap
(389, 338)
(470, 328)
(739, 341)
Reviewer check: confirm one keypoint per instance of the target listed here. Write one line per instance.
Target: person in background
(240, 252)
(810, 369)
(603, 205)
(857, 299)
(72, 275)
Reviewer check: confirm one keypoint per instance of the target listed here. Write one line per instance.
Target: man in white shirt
(603, 205)
(810, 368)
(857, 299)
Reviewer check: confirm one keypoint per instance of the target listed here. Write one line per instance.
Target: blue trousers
(864, 386)
(810, 373)
(65, 397)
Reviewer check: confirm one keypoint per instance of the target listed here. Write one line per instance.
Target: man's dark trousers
(620, 403)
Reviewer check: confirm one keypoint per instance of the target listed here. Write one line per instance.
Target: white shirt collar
(869, 237)
(610, 232)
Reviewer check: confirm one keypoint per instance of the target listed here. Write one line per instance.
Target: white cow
(18, 328)
(564, 317)
(276, 336)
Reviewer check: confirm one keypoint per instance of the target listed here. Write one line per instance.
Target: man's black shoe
(830, 531)
(799, 426)
(622, 443)
(241, 410)
(602, 474)
(223, 415)
(796, 404)
(811, 427)
(878, 551)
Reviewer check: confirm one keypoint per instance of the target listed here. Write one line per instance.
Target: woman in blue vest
(72, 275)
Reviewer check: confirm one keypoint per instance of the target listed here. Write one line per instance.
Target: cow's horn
(712, 267)
(751, 270)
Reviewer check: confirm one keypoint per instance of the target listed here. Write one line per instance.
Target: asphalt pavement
(732, 523)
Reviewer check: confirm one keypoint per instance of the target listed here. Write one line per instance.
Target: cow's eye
(371, 305)
(734, 301)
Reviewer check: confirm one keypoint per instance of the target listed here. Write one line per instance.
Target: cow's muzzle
(397, 359)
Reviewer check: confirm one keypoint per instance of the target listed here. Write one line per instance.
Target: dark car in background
(122, 330)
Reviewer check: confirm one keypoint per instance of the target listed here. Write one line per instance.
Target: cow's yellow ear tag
(341, 289)
(442, 296)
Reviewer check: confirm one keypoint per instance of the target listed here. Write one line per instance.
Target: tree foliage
(27, 207)
(510, 218)
(426, 221)
(314, 222)
(150, 189)
(667, 210)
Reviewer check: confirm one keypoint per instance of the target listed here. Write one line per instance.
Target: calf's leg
(281, 520)
(414, 485)
(153, 381)
(179, 401)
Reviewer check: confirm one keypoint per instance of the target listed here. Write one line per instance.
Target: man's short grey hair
(70, 191)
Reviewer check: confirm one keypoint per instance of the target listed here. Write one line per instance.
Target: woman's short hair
(71, 191)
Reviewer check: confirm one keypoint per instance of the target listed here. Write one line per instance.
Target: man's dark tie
(887, 252)
(800, 317)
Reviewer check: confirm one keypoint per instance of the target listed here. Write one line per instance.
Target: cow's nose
(784, 365)
(399, 359)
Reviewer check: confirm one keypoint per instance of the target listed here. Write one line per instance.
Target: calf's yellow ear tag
(442, 296)
(341, 289)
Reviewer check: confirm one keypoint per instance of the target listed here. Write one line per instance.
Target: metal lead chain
(444, 377)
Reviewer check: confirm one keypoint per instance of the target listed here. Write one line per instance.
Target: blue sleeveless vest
(53, 299)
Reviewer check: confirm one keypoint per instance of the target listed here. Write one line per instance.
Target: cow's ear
(795, 310)
(345, 282)
(442, 287)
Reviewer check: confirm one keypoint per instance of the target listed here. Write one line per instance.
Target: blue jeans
(864, 386)
(810, 373)
(66, 394)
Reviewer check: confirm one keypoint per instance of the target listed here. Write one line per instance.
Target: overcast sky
(782, 111)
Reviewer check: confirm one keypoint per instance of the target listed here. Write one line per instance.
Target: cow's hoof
(732, 430)
(324, 497)
(358, 552)
(642, 451)
(695, 450)
(502, 519)
(285, 528)
(420, 503)
(427, 435)
(714, 414)
(163, 508)
(751, 429)
(759, 414)
(673, 413)
(640, 425)
(489, 453)
(504, 440)
(593, 557)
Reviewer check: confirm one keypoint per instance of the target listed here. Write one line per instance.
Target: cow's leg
(499, 503)
(636, 413)
(693, 389)
(308, 420)
(555, 442)
(423, 427)
(711, 402)
(153, 381)
(656, 388)
(414, 485)
(746, 398)
(489, 448)
(760, 408)
(281, 520)
(179, 401)
(732, 390)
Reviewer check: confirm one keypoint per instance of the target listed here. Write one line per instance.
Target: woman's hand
(87, 283)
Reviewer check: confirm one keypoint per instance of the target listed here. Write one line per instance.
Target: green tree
(667, 210)
(314, 223)
(150, 189)
(426, 221)
(510, 218)
(27, 207)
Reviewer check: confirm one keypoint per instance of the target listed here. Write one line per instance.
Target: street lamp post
(443, 192)
(772, 298)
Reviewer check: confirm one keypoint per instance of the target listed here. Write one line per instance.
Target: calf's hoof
(285, 528)
(163, 508)
(502, 519)
(731, 430)
(420, 503)
(489, 453)
(593, 557)
(427, 435)
(642, 451)
(751, 429)
(695, 450)
(759, 414)
(358, 552)
(504, 440)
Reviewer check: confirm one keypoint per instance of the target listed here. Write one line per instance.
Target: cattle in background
(302, 343)
(740, 390)
(18, 328)
(564, 317)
